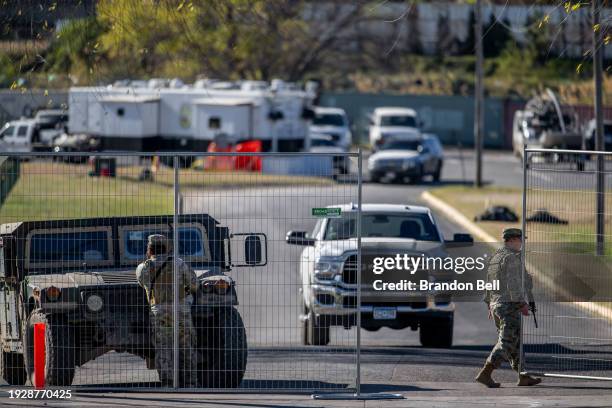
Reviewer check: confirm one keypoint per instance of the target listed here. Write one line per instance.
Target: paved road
(270, 306)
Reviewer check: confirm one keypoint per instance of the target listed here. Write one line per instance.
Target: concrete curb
(454, 214)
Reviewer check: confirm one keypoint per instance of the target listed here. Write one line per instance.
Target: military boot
(484, 376)
(527, 380)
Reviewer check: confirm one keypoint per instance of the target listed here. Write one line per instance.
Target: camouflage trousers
(164, 351)
(507, 318)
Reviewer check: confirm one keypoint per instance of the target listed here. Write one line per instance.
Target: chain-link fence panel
(179, 271)
(566, 218)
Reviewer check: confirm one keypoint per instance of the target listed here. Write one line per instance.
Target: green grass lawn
(564, 253)
(52, 190)
(47, 191)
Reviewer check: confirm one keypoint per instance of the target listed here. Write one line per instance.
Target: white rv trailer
(189, 118)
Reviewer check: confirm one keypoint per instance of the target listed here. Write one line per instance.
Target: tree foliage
(257, 39)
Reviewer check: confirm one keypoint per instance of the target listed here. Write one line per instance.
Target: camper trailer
(162, 117)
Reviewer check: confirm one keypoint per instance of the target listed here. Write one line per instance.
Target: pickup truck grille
(349, 270)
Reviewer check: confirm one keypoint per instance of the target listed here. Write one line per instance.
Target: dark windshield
(135, 242)
(398, 120)
(321, 142)
(400, 145)
(416, 226)
(69, 246)
(328, 119)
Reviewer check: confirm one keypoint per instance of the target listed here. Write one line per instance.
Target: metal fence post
(523, 251)
(359, 182)
(175, 243)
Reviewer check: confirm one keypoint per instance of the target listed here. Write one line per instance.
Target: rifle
(532, 307)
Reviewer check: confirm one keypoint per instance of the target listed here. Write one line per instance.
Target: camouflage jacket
(505, 266)
(155, 275)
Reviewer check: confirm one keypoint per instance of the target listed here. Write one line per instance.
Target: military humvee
(78, 277)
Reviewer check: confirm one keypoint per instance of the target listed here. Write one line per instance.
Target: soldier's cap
(512, 233)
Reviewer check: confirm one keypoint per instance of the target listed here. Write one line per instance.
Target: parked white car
(407, 158)
(328, 271)
(326, 144)
(332, 122)
(391, 122)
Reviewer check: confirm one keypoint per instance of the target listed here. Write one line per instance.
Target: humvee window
(135, 243)
(192, 244)
(61, 247)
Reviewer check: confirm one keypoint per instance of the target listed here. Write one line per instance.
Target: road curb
(452, 213)
(455, 215)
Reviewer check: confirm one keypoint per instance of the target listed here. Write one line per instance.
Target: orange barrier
(219, 162)
(39, 355)
(249, 163)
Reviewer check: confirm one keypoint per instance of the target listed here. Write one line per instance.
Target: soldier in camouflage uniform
(506, 306)
(156, 276)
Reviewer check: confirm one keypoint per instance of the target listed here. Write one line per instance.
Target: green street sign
(326, 212)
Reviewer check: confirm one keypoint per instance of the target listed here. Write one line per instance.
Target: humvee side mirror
(252, 250)
(299, 238)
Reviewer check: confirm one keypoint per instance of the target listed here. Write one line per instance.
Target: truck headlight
(327, 268)
(94, 303)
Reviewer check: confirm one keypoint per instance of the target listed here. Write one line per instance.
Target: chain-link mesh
(568, 255)
(177, 271)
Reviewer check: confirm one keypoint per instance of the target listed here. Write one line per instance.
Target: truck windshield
(398, 120)
(400, 145)
(328, 119)
(387, 225)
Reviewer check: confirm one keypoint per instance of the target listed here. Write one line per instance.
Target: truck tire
(224, 350)
(437, 333)
(13, 368)
(317, 331)
(437, 173)
(184, 162)
(304, 325)
(59, 349)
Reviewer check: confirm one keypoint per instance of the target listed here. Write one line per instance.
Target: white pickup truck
(36, 134)
(328, 270)
(396, 123)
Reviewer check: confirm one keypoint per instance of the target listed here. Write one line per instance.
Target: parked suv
(328, 270)
(407, 158)
(78, 277)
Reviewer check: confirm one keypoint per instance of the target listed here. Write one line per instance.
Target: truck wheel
(437, 333)
(185, 162)
(317, 331)
(59, 349)
(304, 325)
(224, 350)
(13, 368)
(438, 172)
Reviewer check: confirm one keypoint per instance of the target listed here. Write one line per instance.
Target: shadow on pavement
(379, 388)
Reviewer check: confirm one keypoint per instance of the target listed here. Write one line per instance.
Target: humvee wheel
(13, 369)
(224, 349)
(59, 349)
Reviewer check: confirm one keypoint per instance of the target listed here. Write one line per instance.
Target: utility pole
(599, 136)
(478, 94)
